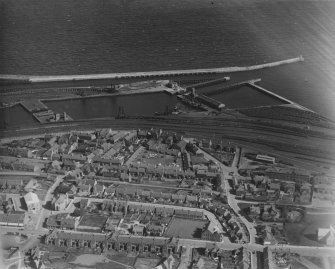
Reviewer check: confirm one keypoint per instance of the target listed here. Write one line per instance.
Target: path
(47, 198)
(186, 258)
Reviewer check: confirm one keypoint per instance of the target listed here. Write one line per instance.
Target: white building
(265, 158)
(327, 236)
(33, 202)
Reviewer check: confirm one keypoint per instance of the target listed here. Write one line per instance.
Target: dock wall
(253, 85)
(151, 74)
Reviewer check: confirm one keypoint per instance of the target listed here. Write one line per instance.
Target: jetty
(146, 75)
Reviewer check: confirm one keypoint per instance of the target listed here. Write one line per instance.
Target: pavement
(18, 261)
(186, 258)
(48, 197)
(226, 170)
(252, 246)
(307, 263)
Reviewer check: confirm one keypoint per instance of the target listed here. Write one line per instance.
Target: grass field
(154, 158)
(185, 228)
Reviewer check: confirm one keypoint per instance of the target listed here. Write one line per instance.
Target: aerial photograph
(167, 134)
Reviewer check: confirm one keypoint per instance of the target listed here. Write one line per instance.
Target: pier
(147, 75)
(253, 85)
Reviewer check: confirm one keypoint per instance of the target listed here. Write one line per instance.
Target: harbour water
(79, 37)
(100, 107)
(245, 97)
(16, 116)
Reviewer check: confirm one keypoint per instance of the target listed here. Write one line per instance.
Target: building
(327, 236)
(265, 158)
(120, 243)
(324, 192)
(138, 230)
(155, 230)
(210, 233)
(15, 219)
(33, 202)
(62, 202)
(62, 221)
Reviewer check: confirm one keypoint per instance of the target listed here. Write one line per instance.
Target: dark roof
(12, 218)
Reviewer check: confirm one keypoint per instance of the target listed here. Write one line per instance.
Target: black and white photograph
(167, 134)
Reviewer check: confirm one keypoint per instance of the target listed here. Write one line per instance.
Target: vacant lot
(185, 228)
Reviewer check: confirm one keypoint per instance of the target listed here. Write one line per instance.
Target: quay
(253, 85)
(33, 105)
(42, 113)
(149, 75)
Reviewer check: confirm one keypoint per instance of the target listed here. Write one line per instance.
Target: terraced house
(119, 243)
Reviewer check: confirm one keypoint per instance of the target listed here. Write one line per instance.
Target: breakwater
(150, 74)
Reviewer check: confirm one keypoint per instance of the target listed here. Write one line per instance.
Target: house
(99, 189)
(142, 134)
(138, 230)
(62, 202)
(130, 138)
(85, 136)
(72, 192)
(180, 145)
(254, 212)
(179, 198)
(84, 190)
(15, 219)
(324, 191)
(111, 224)
(189, 174)
(33, 202)
(289, 186)
(105, 132)
(69, 165)
(110, 191)
(240, 192)
(274, 186)
(155, 230)
(206, 143)
(191, 199)
(169, 140)
(170, 263)
(74, 158)
(300, 178)
(305, 193)
(116, 242)
(61, 221)
(192, 148)
(210, 233)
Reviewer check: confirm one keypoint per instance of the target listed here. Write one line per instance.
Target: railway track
(205, 127)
